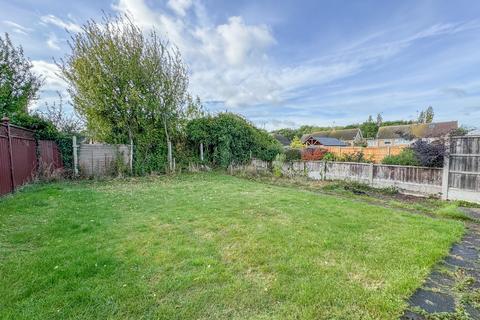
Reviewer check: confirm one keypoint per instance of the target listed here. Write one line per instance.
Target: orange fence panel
(376, 154)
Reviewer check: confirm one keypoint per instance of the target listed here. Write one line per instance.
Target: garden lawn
(208, 246)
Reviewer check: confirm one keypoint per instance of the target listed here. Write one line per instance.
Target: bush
(313, 153)
(293, 154)
(429, 154)
(329, 157)
(406, 158)
(277, 165)
(358, 156)
(229, 138)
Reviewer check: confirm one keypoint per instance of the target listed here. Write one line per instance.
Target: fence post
(6, 123)
(201, 151)
(75, 156)
(446, 170)
(170, 164)
(130, 158)
(324, 170)
(370, 172)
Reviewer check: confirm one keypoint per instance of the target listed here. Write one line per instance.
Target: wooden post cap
(5, 119)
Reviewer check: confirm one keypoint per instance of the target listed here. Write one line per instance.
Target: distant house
(284, 141)
(317, 141)
(348, 136)
(408, 134)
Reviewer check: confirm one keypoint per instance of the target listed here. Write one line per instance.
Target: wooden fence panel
(5, 181)
(50, 156)
(376, 154)
(19, 158)
(24, 155)
(463, 165)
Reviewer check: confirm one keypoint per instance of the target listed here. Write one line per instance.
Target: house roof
(327, 141)
(282, 139)
(417, 131)
(343, 134)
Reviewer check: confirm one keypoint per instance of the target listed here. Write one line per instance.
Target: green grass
(209, 246)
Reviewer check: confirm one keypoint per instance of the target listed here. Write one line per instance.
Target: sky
(289, 63)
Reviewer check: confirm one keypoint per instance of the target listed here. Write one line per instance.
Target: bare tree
(69, 122)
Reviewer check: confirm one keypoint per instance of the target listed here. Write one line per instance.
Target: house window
(387, 142)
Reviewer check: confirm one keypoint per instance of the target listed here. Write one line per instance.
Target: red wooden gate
(18, 156)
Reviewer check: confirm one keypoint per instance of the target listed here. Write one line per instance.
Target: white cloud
(180, 7)
(17, 28)
(67, 25)
(53, 83)
(230, 61)
(52, 42)
(50, 72)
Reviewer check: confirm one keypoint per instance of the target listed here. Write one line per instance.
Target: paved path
(452, 290)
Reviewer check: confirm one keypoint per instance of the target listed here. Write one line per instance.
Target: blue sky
(288, 63)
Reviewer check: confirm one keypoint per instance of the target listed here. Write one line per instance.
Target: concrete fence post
(201, 151)
(170, 159)
(446, 169)
(370, 174)
(75, 156)
(130, 156)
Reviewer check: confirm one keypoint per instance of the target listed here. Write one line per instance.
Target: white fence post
(75, 156)
(446, 170)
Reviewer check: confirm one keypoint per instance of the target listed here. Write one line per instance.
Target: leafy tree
(293, 154)
(421, 117)
(429, 115)
(19, 85)
(296, 143)
(129, 86)
(288, 133)
(369, 129)
(229, 138)
(379, 120)
(370, 119)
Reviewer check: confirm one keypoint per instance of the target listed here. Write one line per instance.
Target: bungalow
(408, 134)
(348, 136)
(318, 141)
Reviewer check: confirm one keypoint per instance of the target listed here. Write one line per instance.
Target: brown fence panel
(20, 144)
(24, 156)
(5, 181)
(49, 154)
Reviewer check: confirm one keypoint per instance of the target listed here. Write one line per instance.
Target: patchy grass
(387, 197)
(209, 246)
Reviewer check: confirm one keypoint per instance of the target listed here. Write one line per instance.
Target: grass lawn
(209, 246)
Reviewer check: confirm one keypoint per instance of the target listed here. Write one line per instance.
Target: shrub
(229, 138)
(406, 158)
(358, 156)
(293, 154)
(429, 154)
(313, 153)
(277, 165)
(329, 157)
(296, 143)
